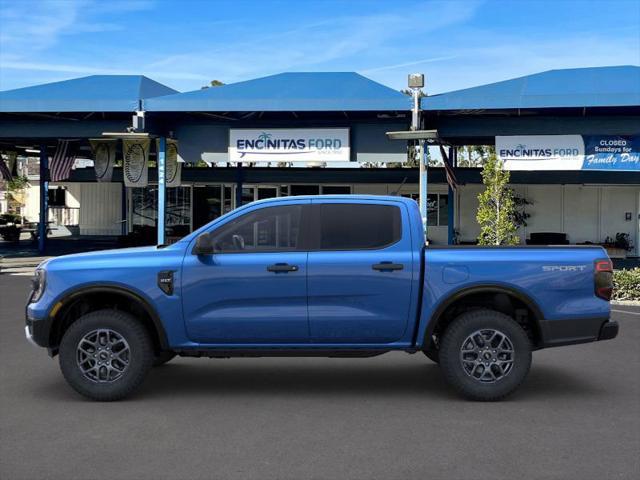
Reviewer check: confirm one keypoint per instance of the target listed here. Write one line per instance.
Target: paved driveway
(577, 416)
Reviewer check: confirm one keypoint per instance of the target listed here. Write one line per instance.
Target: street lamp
(416, 83)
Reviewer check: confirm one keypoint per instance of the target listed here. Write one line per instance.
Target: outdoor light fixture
(430, 136)
(416, 80)
(126, 134)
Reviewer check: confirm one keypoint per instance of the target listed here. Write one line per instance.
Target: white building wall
(100, 208)
(585, 213)
(580, 213)
(31, 210)
(466, 208)
(615, 203)
(546, 211)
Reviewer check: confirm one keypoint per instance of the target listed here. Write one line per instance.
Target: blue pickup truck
(332, 276)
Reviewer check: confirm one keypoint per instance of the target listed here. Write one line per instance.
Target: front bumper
(37, 332)
(556, 333)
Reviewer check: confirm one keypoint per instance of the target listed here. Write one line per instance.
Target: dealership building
(570, 137)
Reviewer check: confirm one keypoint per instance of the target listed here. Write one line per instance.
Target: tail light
(603, 278)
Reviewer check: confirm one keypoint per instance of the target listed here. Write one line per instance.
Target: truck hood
(121, 255)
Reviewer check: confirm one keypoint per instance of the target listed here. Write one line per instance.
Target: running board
(279, 352)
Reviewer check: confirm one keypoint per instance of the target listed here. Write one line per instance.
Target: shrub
(626, 284)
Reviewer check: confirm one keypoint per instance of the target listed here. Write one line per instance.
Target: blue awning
(288, 92)
(96, 93)
(577, 87)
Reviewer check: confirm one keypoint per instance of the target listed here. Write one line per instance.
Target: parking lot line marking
(626, 311)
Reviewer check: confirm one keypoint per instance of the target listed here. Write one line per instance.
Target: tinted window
(265, 230)
(358, 226)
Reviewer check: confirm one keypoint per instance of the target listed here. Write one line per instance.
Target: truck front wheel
(485, 355)
(105, 355)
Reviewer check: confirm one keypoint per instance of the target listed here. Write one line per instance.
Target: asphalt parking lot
(577, 416)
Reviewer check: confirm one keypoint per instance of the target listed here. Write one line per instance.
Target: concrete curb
(631, 303)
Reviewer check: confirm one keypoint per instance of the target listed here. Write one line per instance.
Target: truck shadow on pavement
(352, 380)
(191, 381)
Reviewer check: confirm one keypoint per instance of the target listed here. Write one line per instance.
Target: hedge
(626, 284)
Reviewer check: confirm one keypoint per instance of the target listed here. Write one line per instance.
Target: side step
(279, 352)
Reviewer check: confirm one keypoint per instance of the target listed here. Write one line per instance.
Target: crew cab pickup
(333, 276)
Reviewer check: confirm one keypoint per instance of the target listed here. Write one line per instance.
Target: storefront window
(207, 204)
(178, 219)
(305, 189)
(336, 190)
(144, 210)
(144, 207)
(432, 209)
(437, 211)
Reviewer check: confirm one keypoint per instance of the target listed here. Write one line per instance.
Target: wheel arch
(65, 314)
(495, 291)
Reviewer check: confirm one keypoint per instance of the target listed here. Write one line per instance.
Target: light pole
(416, 83)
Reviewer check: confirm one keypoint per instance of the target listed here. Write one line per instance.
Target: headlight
(38, 284)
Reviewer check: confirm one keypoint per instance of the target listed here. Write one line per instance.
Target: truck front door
(253, 289)
(360, 272)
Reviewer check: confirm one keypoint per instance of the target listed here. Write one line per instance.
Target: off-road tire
(163, 357)
(140, 346)
(453, 340)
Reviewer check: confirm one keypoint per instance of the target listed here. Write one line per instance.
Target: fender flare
(69, 297)
(475, 289)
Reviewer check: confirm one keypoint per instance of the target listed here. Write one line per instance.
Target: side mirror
(204, 245)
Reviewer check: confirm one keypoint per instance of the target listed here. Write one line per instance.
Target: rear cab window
(357, 226)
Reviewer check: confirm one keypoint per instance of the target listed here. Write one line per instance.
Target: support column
(451, 199)
(162, 190)
(44, 199)
(124, 211)
(239, 179)
(422, 156)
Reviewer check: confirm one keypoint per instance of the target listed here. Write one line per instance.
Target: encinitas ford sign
(541, 152)
(289, 145)
(569, 152)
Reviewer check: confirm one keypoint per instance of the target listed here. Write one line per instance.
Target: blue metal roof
(306, 91)
(96, 93)
(577, 87)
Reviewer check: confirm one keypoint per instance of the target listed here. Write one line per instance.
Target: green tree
(497, 208)
(213, 83)
(474, 155)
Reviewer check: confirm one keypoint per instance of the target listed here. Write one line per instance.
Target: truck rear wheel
(485, 355)
(105, 355)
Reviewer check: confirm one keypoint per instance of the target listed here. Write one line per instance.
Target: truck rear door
(360, 272)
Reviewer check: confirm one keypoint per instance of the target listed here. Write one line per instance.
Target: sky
(185, 44)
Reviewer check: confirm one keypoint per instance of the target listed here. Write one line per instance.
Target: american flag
(4, 170)
(451, 175)
(62, 160)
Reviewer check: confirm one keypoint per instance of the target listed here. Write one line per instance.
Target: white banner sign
(289, 145)
(136, 162)
(104, 157)
(541, 152)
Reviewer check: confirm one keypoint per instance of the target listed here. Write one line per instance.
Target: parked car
(333, 276)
